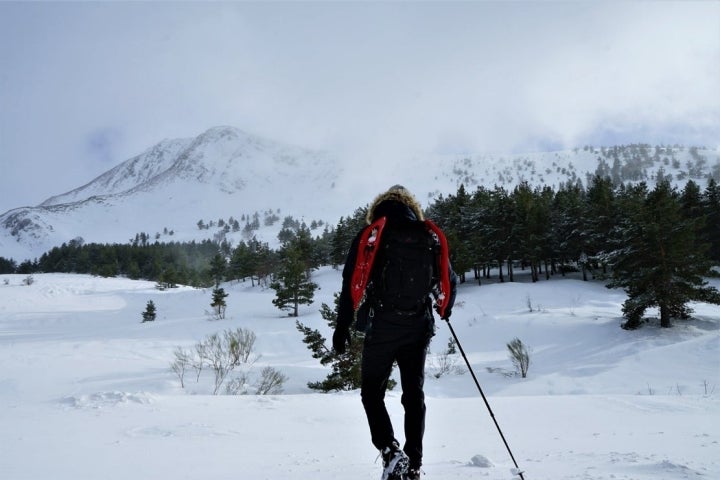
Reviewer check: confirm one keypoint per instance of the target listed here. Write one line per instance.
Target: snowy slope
(127, 175)
(225, 172)
(86, 390)
(222, 173)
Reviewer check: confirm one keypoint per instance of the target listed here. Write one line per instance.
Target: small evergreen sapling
(218, 302)
(345, 374)
(149, 314)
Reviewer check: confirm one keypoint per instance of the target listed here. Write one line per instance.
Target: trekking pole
(487, 404)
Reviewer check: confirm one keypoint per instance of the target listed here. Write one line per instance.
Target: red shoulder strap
(443, 297)
(369, 239)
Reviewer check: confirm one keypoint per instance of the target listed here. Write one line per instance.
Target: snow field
(86, 390)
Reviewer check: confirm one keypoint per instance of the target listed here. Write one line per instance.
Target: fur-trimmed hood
(397, 200)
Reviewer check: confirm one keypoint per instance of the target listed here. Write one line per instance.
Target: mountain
(226, 175)
(222, 173)
(127, 175)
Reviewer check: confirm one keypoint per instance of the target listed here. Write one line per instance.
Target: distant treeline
(589, 228)
(618, 232)
(186, 263)
(183, 263)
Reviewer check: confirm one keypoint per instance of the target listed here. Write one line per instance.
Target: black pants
(405, 343)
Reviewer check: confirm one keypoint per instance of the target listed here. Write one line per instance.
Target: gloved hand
(448, 312)
(341, 338)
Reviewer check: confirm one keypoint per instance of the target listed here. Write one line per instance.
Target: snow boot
(412, 474)
(395, 463)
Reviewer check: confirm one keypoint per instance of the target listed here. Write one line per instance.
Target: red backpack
(398, 251)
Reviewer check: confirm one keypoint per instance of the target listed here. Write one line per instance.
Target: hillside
(88, 391)
(227, 174)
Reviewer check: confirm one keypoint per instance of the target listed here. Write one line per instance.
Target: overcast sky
(85, 86)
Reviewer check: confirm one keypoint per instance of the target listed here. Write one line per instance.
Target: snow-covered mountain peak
(229, 133)
(128, 175)
(226, 172)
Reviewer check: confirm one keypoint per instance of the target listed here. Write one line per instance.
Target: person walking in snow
(394, 266)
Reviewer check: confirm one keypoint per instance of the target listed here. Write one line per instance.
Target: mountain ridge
(226, 172)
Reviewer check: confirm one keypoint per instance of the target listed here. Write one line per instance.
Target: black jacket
(394, 211)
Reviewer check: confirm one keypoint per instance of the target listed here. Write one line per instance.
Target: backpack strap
(369, 239)
(442, 297)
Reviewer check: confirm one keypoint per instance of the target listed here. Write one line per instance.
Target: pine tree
(7, 265)
(267, 260)
(149, 314)
(532, 227)
(691, 209)
(345, 232)
(602, 218)
(567, 221)
(243, 263)
(499, 231)
(345, 374)
(345, 367)
(303, 242)
(711, 230)
(474, 218)
(292, 283)
(456, 229)
(218, 302)
(218, 269)
(659, 263)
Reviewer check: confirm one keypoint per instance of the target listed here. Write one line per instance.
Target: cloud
(101, 144)
(372, 81)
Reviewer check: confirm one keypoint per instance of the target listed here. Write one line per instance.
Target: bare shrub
(218, 358)
(240, 344)
(446, 362)
(519, 356)
(271, 382)
(238, 385)
(222, 353)
(183, 360)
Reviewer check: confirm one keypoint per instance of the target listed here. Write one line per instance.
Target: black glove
(340, 339)
(448, 312)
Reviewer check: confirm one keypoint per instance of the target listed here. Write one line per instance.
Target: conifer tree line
(658, 244)
(550, 232)
(199, 264)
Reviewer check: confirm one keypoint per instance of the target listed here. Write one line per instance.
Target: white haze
(85, 86)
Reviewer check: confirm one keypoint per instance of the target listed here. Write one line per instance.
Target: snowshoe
(395, 463)
(412, 474)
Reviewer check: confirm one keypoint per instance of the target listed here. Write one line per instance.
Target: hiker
(396, 316)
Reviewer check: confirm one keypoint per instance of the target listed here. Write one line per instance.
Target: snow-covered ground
(86, 390)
